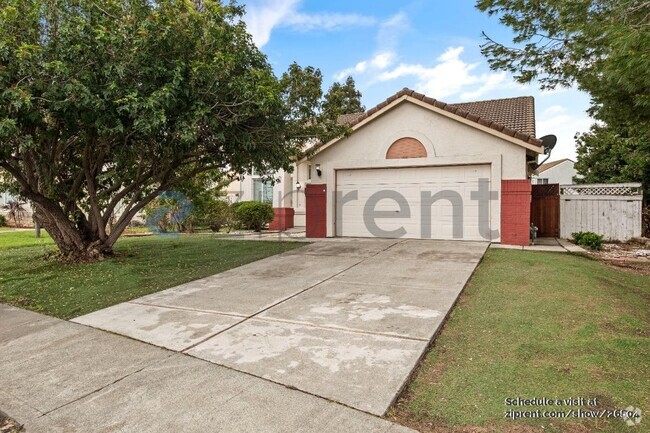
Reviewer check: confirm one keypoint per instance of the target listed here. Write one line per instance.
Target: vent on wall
(406, 147)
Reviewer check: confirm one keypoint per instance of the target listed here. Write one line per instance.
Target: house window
(262, 191)
(542, 181)
(309, 172)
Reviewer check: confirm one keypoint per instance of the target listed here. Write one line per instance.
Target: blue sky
(429, 46)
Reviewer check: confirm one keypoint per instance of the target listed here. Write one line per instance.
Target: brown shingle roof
(514, 117)
(344, 119)
(551, 164)
(515, 113)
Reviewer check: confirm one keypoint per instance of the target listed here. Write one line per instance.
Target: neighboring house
(560, 171)
(253, 187)
(428, 166)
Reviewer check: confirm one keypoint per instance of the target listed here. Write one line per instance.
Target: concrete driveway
(344, 319)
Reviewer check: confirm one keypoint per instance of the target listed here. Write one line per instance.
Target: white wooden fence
(611, 210)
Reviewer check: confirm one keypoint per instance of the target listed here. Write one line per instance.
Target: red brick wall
(282, 219)
(406, 148)
(515, 211)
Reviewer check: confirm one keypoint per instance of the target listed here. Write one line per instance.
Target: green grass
(536, 325)
(142, 266)
(24, 238)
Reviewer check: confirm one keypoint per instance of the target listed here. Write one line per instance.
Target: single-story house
(560, 171)
(416, 167)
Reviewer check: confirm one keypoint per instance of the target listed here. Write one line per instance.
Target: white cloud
(492, 81)
(377, 63)
(326, 21)
(554, 110)
(387, 41)
(262, 16)
(383, 60)
(450, 76)
(390, 31)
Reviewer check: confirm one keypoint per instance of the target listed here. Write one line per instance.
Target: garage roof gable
(497, 117)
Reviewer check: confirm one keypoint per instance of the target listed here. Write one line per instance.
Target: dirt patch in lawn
(632, 256)
(636, 267)
(635, 250)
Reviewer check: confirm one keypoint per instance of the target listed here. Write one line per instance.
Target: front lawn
(536, 325)
(142, 266)
(24, 238)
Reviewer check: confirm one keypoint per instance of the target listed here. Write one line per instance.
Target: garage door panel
(413, 184)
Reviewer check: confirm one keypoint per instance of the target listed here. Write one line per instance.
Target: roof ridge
(548, 165)
(495, 99)
(451, 108)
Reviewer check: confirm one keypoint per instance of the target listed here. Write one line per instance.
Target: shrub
(215, 214)
(253, 215)
(3, 220)
(590, 240)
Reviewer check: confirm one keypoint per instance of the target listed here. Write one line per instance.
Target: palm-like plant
(15, 210)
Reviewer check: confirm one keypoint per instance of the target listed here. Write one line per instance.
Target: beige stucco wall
(448, 142)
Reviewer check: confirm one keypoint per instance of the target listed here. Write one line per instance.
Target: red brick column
(515, 211)
(282, 219)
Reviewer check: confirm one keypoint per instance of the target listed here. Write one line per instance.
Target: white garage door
(389, 202)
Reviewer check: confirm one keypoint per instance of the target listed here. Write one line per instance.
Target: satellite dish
(549, 142)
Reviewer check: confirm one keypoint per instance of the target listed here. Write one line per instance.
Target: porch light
(298, 186)
(318, 170)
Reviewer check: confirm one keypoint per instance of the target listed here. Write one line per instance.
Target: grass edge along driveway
(532, 324)
(141, 266)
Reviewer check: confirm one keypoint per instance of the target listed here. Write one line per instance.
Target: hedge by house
(253, 215)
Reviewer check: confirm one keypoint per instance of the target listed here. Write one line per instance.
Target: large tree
(602, 47)
(315, 115)
(342, 98)
(104, 104)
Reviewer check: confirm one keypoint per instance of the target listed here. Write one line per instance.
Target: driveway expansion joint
(101, 388)
(342, 329)
(289, 297)
(196, 310)
(252, 316)
(349, 328)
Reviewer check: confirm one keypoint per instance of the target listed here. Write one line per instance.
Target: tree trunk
(74, 244)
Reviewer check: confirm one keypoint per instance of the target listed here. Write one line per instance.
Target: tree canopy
(105, 104)
(314, 113)
(342, 99)
(603, 48)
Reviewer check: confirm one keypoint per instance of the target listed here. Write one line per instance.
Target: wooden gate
(545, 209)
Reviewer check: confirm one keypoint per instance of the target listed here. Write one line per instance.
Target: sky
(430, 46)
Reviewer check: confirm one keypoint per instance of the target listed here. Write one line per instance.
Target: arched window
(406, 147)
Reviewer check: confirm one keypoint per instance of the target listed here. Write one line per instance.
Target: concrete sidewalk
(553, 245)
(59, 376)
